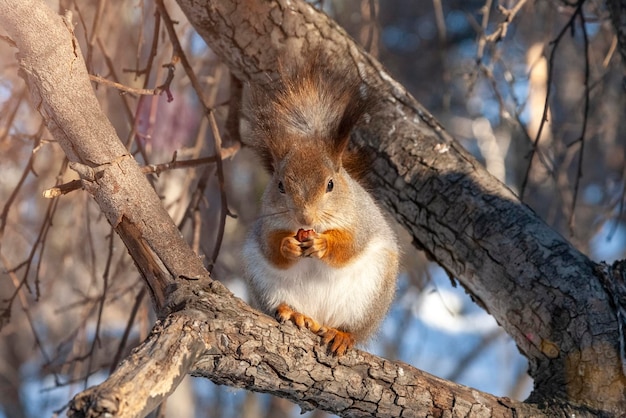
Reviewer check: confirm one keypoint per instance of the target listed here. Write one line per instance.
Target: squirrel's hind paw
(284, 313)
(340, 341)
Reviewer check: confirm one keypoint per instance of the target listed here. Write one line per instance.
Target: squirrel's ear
(355, 107)
(267, 131)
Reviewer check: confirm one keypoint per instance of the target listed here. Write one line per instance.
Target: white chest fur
(335, 297)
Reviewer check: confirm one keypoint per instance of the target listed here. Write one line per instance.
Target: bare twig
(9, 202)
(208, 110)
(610, 53)
(19, 291)
(581, 139)
(126, 89)
(220, 177)
(501, 29)
(176, 164)
(148, 169)
(19, 98)
(440, 21)
(509, 14)
(482, 39)
(129, 324)
(568, 26)
(147, 71)
(8, 40)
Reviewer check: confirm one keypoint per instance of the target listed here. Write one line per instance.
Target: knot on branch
(91, 404)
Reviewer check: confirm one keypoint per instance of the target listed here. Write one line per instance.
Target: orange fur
(335, 247)
(282, 249)
(338, 341)
(284, 313)
(300, 127)
(311, 103)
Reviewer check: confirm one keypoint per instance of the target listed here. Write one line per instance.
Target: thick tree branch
(211, 332)
(544, 292)
(54, 70)
(223, 339)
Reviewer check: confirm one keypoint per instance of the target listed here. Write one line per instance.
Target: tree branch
(243, 348)
(543, 292)
(59, 85)
(534, 283)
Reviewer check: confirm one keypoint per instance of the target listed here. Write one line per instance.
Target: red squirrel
(321, 253)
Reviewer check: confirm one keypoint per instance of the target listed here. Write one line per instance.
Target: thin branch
(148, 169)
(224, 212)
(111, 67)
(147, 71)
(37, 248)
(482, 39)
(15, 191)
(126, 89)
(4, 131)
(579, 171)
(102, 299)
(440, 21)
(509, 14)
(8, 40)
(24, 303)
(568, 26)
(208, 110)
(94, 32)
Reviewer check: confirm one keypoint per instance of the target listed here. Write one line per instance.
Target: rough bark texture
(55, 73)
(538, 287)
(547, 295)
(221, 338)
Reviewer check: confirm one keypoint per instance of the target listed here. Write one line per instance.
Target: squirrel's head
(310, 187)
(301, 128)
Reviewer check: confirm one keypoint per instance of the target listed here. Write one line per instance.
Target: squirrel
(321, 253)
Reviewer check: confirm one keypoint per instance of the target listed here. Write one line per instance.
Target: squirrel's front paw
(290, 248)
(314, 246)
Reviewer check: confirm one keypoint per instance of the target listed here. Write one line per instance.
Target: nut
(304, 234)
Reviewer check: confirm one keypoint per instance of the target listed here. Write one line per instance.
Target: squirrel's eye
(329, 186)
(281, 187)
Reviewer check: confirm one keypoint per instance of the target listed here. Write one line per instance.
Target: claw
(284, 313)
(340, 341)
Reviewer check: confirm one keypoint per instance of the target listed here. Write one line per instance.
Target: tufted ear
(315, 105)
(267, 133)
(355, 105)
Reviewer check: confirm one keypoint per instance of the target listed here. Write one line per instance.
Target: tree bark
(550, 298)
(53, 68)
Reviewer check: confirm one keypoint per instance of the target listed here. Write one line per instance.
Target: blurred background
(71, 301)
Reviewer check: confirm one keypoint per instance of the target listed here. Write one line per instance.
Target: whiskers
(325, 220)
(268, 215)
(332, 220)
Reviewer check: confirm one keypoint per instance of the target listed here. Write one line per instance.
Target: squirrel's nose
(306, 218)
